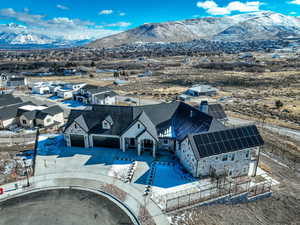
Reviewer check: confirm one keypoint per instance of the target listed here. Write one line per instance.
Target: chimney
(203, 107)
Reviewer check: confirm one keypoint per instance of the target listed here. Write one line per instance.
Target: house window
(247, 154)
(24, 122)
(139, 126)
(75, 126)
(217, 158)
(166, 141)
(48, 120)
(225, 157)
(232, 157)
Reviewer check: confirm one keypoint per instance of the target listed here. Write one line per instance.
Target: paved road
(62, 207)
(294, 134)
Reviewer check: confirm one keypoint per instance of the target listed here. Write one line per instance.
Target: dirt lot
(11, 166)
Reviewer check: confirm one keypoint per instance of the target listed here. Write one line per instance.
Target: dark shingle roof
(12, 110)
(91, 120)
(53, 110)
(41, 115)
(176, 114)
(216, 111)
(8, 99)
(224, 141)
(30, 115)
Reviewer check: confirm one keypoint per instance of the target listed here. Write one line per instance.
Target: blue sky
(79, 19)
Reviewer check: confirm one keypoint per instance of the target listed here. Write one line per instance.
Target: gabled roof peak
(80, 120)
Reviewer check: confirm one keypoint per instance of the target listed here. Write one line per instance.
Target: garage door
(77, 140)
(107, 142)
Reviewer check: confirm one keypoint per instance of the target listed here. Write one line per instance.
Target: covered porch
(140, 145)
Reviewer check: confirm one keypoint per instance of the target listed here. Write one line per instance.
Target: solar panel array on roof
(229, 140)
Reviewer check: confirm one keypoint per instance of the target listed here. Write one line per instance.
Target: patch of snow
(119, 169)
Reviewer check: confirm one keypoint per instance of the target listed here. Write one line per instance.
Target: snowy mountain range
(17, 36)
(264, 25)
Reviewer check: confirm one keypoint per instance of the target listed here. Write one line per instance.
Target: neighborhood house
(201, 90)
(41, 116)
(198, 140)
(96, 95)
(13, 82)
(14, 112)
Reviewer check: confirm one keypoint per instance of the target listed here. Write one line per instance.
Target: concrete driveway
(62, 207)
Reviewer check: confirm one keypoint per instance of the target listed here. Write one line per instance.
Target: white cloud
(106, 12)
(293, 13)
(58, 27)
(122, 14)
(207, 4)
(244, 7)
(62, 7)
(296, 2)
(213, 8)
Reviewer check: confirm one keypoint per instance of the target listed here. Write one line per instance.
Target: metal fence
(216, 189)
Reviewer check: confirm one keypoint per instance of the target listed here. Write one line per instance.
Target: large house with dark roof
(140, 128)
(173, 127)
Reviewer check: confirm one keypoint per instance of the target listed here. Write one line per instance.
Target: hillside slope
(251, 26)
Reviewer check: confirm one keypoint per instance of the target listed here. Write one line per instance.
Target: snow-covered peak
(23, 39)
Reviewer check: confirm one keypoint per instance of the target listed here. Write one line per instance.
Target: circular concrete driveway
(62, 207)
